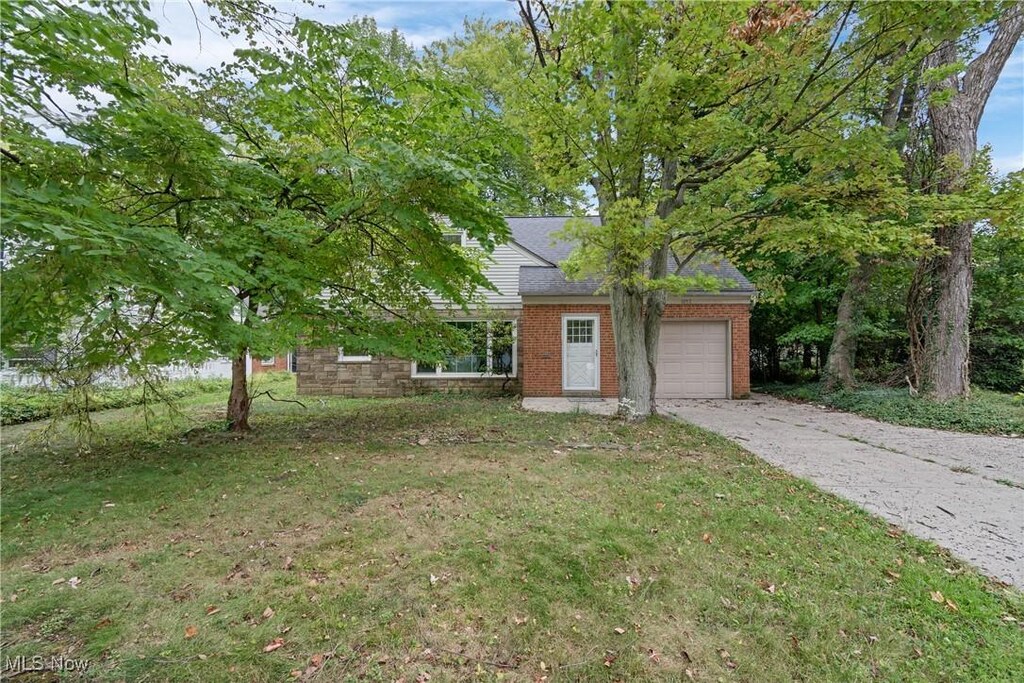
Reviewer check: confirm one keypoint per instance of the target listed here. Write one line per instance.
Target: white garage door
(693, 360)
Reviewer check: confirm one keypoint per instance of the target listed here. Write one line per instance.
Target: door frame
(597, 350)
(728, 346)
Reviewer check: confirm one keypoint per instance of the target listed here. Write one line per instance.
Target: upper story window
(456, 237)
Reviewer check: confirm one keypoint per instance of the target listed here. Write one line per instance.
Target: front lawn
(985, 412)
(450, 538)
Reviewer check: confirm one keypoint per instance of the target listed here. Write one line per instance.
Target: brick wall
(320, 373)
(540, 350)
(540, 328)
(280, 364)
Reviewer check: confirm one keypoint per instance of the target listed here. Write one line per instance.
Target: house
(561, 341)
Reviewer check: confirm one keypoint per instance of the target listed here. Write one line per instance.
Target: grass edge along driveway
(451, 538)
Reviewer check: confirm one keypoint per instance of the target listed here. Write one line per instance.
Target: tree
(304, 192)
(891, 106)
(941, 296)
(703, 130)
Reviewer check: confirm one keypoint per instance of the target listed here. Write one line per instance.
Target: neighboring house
(563, 344)
(281, 363)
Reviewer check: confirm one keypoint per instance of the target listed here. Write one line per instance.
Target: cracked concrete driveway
(963, 491)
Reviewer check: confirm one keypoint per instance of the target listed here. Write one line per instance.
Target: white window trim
(566, 317)
(438, 374)
(342, 358)
(268, 361)
(460, 233)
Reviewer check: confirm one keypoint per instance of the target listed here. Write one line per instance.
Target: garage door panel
(693, 360)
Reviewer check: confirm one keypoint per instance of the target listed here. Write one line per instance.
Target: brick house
(562, 336)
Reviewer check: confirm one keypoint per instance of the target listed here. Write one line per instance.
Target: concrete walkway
(959, 490)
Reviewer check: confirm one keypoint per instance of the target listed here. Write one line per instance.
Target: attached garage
(694, 359)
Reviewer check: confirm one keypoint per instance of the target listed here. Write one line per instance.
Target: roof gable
(535, 235)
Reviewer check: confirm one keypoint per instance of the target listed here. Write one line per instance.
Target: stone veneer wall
(320, 373)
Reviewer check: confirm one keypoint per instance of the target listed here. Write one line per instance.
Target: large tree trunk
(842, 356)
(944, 281)
(654, 308)
(635, 379)
(238, 399)
(636, 317)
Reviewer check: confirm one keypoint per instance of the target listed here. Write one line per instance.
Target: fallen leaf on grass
(767, 587)
(273, 645)
(74, 581)
(706, 538)
(937, 597)
(268, 613)
(191, 631)
(288, 563)
(951, 606)
(620, 630)
(519, 621)
(211, 610)
(654, 656)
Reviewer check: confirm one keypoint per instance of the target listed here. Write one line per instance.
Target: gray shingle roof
(534, 234)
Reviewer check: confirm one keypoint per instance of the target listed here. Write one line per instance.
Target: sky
(424, 21)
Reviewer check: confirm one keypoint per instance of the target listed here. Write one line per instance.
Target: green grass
(18, 404)
(468, 540)
(985, 412)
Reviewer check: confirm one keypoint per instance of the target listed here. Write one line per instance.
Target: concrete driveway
(963, 491)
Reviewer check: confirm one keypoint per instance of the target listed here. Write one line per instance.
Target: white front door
(580, 353)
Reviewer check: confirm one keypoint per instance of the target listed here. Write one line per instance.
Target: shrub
(985, 412)
(25, 405)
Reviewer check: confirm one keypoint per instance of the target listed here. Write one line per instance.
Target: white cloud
(1008, 164)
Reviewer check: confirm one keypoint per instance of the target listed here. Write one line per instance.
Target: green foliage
(985, 412)
(997, 310)
(19, 404)
(743, 132)
(302, 192)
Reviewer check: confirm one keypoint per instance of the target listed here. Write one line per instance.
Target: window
(579, 331)
(492, 351)
(268, 361)
(353, 353)
(24, 357)
(456, 238)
